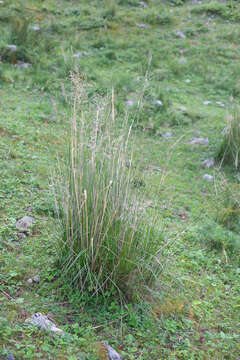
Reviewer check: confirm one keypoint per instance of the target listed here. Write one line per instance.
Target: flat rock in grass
(180, 34)
(13, 48)
(158, 103)
(10, 357)
(43, 323)
(143, 26)
(25, 223)
(23, 64)
(207, 102)
(142, 4)
(80, 54)
(208, 177)
(112, 354)
(167, 135)
(130, 103)
(199, 141)
(209, 162)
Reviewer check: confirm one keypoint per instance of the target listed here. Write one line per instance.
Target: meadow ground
(181, 59)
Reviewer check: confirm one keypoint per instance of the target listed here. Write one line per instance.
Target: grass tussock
(230, 148)
(105, 245)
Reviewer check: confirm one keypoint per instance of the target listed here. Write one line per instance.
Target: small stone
(199, 141)
(80, 54)
(143, 26)
(158, 103)
(43, 323)
(207, 102)
(13, 48)
(167, 135)
(208, 177)
(112, 354)
(187, 81)
(220, 103)
(209, 162)
(30, 281)
(23, 64)
(182, 108)
(142, 4)
(25, 223)
(21, 235)
(181, 35)
(35, 28)
(129, 103)
(182, 60)
(36, 279)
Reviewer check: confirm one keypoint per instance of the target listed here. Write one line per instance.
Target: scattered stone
(142, 4)
(36, 279)
(112, 354)
(209, 162)
(208, 177)
(182, 60)
(199, 141)
(130, 103)
(182, 108)
(80, 54)
(143, 26)
(35, 28)
(23, 64)
(21, 235)
(30, 281)
(187, 81)
(25, 223)
(43, 323)
(167, 135)
(158, 103)
(207, 102)
(181, 35)
(13, 48)
(220, 103)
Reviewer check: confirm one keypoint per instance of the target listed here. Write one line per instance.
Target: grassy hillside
(174, 67)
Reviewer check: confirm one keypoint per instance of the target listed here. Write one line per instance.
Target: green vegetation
(230, 147)
(173, 67)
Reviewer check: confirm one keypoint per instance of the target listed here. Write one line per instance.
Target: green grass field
(174, 67)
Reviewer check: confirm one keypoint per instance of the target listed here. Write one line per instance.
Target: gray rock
(23, 64)
(199, 141)
(29, 281)
(80, 54)
(36, 279)
(209, 162)
(158, 103)
(182, 108)
(25, 223)
(181, 35)
(130, 103)
(13, 48)
(143, 26)
(208, 177)
(43, 323)
(220, 103)
(35, 27)
(207, 102)
(142, 4)
(187, 81)
(21, 235)
(167, 135)
(112, 354)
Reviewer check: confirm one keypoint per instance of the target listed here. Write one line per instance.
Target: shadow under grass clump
(226, 10)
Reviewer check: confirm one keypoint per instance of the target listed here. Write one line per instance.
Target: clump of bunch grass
(105, 246)
(229, 150)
